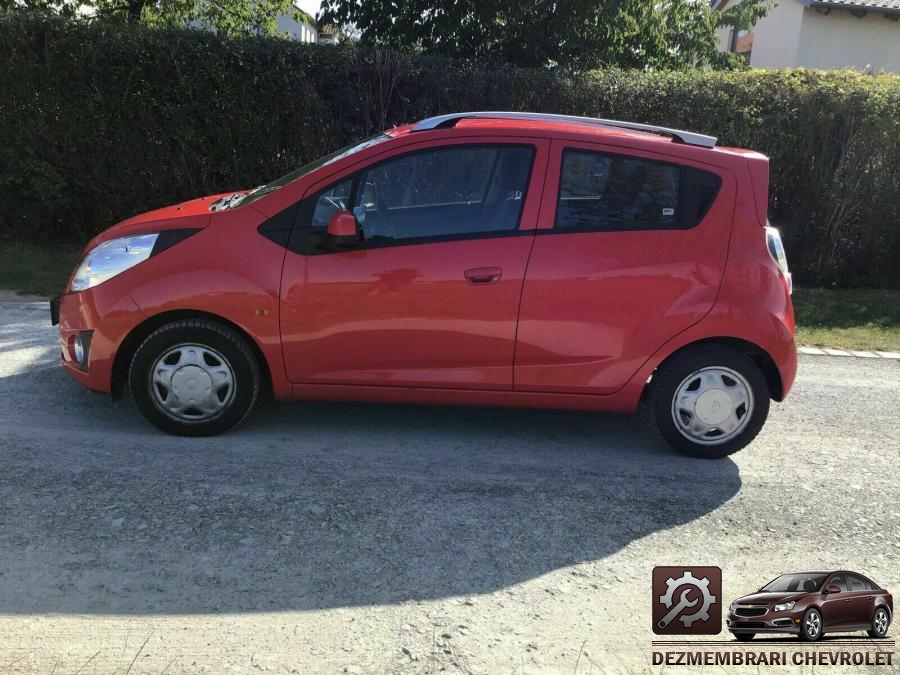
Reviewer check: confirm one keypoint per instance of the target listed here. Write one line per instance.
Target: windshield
(263, 190)
(802, 583)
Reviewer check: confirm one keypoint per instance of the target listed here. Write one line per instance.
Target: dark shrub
(99, 121)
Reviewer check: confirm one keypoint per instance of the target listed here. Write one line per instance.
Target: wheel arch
(139, 333)
(759, 355)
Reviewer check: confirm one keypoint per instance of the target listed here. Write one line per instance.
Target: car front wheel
(811, 627)
(709, 401)
(194, 377)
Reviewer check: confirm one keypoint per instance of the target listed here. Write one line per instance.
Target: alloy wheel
(881, 622)
(813, 625)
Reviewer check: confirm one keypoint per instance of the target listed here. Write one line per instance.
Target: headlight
(111, 258)
(785, 607)
(731, 606)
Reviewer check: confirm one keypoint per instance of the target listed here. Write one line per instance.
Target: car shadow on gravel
(314, 505)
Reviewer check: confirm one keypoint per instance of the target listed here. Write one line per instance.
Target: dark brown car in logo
(811, 604)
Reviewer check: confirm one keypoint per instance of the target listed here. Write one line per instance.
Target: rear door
(430, 296)
(630, 250)
(862, 596)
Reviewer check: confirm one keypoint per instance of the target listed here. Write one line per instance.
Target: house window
(742, 43)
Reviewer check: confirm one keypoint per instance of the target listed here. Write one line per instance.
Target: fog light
(80, 348)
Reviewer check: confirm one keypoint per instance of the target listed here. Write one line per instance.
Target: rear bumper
(107, 318)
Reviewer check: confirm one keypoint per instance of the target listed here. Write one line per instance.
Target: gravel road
(358, 538)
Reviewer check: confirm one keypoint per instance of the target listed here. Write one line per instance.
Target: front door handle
(484, 275)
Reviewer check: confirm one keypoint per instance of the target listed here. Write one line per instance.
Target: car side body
(532, 316)
(828, 600)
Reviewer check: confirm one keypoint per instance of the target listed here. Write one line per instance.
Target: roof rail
(444, 121)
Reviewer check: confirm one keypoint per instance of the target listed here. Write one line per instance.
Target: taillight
(776, 250)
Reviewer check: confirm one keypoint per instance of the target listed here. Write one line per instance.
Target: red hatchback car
(488, 258)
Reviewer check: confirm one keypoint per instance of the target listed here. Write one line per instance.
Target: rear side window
(605, 192)
(858, 583)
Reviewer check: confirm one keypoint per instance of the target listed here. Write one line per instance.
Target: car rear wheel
(744, 637)
(811, 628)
(880, 623)
(194, 377)
(709, 401)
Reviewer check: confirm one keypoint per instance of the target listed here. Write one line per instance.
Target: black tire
(744, 637)
(222, 341)
(673, 372)
(805, 634)
(876, 632)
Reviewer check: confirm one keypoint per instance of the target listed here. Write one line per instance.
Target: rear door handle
(484, 275)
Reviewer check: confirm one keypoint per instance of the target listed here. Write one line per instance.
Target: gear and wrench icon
(701, 584)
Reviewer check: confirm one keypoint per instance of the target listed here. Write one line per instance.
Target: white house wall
(777, 35)
(841, 40)
(297, 30)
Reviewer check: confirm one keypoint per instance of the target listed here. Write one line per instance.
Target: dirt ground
(371, 538)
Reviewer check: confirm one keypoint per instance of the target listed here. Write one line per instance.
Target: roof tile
(862, 4)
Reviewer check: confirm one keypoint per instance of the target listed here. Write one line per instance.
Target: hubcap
(712, 405)
(192, 383)
(881, 622)
(812, 625)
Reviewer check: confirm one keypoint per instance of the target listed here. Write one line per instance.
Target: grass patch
(36, 270)
(848, 318)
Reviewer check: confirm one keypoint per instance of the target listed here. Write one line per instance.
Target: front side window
(330, 201)
(605, 192)
(838, 580)
(444, 192)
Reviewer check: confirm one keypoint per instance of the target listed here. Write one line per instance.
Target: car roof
(531, 126)
(571, 129)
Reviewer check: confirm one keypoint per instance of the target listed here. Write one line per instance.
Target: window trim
(298, 241)
(556, 229)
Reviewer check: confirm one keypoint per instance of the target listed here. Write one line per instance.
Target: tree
(573, 34)
(257, 17)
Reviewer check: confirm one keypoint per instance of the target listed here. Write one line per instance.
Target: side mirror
(833, 589)
(343, 229)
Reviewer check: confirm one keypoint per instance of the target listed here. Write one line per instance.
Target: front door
(430, 295)
(837, 608)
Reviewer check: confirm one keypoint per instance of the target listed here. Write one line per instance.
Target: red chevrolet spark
(492, 258)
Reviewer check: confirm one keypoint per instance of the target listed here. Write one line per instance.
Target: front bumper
(771, 622)
(106, 317)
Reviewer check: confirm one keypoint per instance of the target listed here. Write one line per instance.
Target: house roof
(886, 6)
(890, 6)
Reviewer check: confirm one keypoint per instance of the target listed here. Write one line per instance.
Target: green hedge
(99, 121)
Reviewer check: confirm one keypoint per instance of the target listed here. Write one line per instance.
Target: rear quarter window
(604, 192)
